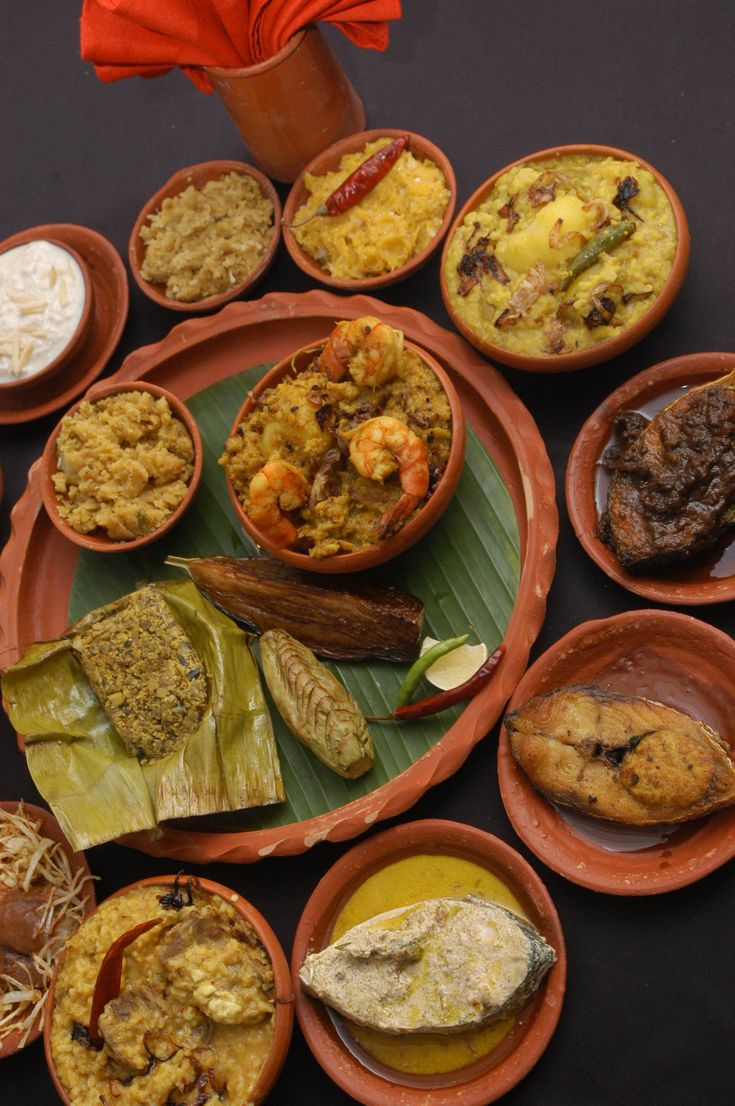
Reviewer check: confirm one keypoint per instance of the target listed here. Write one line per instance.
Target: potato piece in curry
(562, 254)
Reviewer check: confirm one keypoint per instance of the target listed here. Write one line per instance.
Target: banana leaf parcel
(148, 709)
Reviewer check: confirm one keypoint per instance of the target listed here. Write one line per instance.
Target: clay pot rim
(329, 159)
(49, 828)
(412, 531)
(204, 171)
(262, 66)
(327, 899)
(552, 839)
(284, 1000)
(82, 328)
(610, 347)
(49, 466)
(688, 368)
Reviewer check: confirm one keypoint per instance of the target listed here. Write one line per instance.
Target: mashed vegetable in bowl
(562, 254)
(391, 224)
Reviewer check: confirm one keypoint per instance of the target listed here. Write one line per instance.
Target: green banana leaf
(466, 570)
(95, 788)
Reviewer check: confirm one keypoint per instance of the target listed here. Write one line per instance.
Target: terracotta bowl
(97, 540)
(414, 529)
(611, 347)
(81, 331)
(282, 982)
(49, 828)
(199, 175)
(708, 578)
(495, 1074)
(660, 655)
(327, 161)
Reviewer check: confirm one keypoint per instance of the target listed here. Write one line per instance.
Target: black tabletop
(648, 1016)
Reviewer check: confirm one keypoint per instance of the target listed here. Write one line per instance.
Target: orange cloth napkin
(147, 38)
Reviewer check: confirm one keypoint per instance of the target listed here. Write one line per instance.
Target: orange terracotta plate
(493, 1075)
(111, 301)
(708, 578)
(202, 351)
(661, 655)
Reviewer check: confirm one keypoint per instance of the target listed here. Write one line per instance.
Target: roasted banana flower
(315, 706)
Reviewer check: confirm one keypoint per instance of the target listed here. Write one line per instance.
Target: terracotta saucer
(327, 161)
(710, 577)
(662, 655)
(49, 828)
(416, 526)
(283, 993)
(610, 347)
(111, 300)
(504, 1067)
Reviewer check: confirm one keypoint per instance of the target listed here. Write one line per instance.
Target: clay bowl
(199, 175)
(97, 540)
(327, 161)
(281, 980)
(611, 347)
(708, 578)
(81, 330)
(493, 1075)
(413, 530)
(49, 828)
(660, 655)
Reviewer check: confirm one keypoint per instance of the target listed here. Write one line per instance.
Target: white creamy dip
(42, 298)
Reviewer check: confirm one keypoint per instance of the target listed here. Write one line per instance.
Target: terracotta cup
(291, 106)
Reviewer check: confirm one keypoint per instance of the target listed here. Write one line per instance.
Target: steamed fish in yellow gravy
(194, 1016)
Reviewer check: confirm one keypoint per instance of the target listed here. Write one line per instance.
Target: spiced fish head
(620, 757)
(438, 966)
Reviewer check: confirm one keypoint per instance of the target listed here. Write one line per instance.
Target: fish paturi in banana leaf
(148, 709)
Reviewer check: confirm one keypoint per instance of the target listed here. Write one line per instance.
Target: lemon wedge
(454, 668)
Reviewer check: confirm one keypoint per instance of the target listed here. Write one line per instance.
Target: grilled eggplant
(672, 492)
(621, 758)
(315, 706)
(439, 966)
(344, 618)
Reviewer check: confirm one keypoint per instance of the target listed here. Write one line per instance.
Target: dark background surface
(648, 1016)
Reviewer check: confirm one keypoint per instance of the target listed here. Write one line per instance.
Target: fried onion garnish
(477, 260)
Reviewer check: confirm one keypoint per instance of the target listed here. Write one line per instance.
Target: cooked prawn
(380, 446)
(276, 488)
(368, 349)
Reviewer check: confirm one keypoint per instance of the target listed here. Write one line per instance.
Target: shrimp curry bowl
(348, 451)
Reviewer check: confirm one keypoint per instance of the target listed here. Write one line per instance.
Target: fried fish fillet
(439, 966)
(621, 758)
(672, 492)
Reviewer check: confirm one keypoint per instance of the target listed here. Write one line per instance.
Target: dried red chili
(109, 976)
(359, 182)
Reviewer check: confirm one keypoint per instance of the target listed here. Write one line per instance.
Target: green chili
(603, 242)
(420, 666)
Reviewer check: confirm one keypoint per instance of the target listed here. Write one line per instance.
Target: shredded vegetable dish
(42, 902)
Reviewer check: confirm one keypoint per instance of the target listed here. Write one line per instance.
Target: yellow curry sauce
(508, 264)
(411, 880)
(196, 995)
